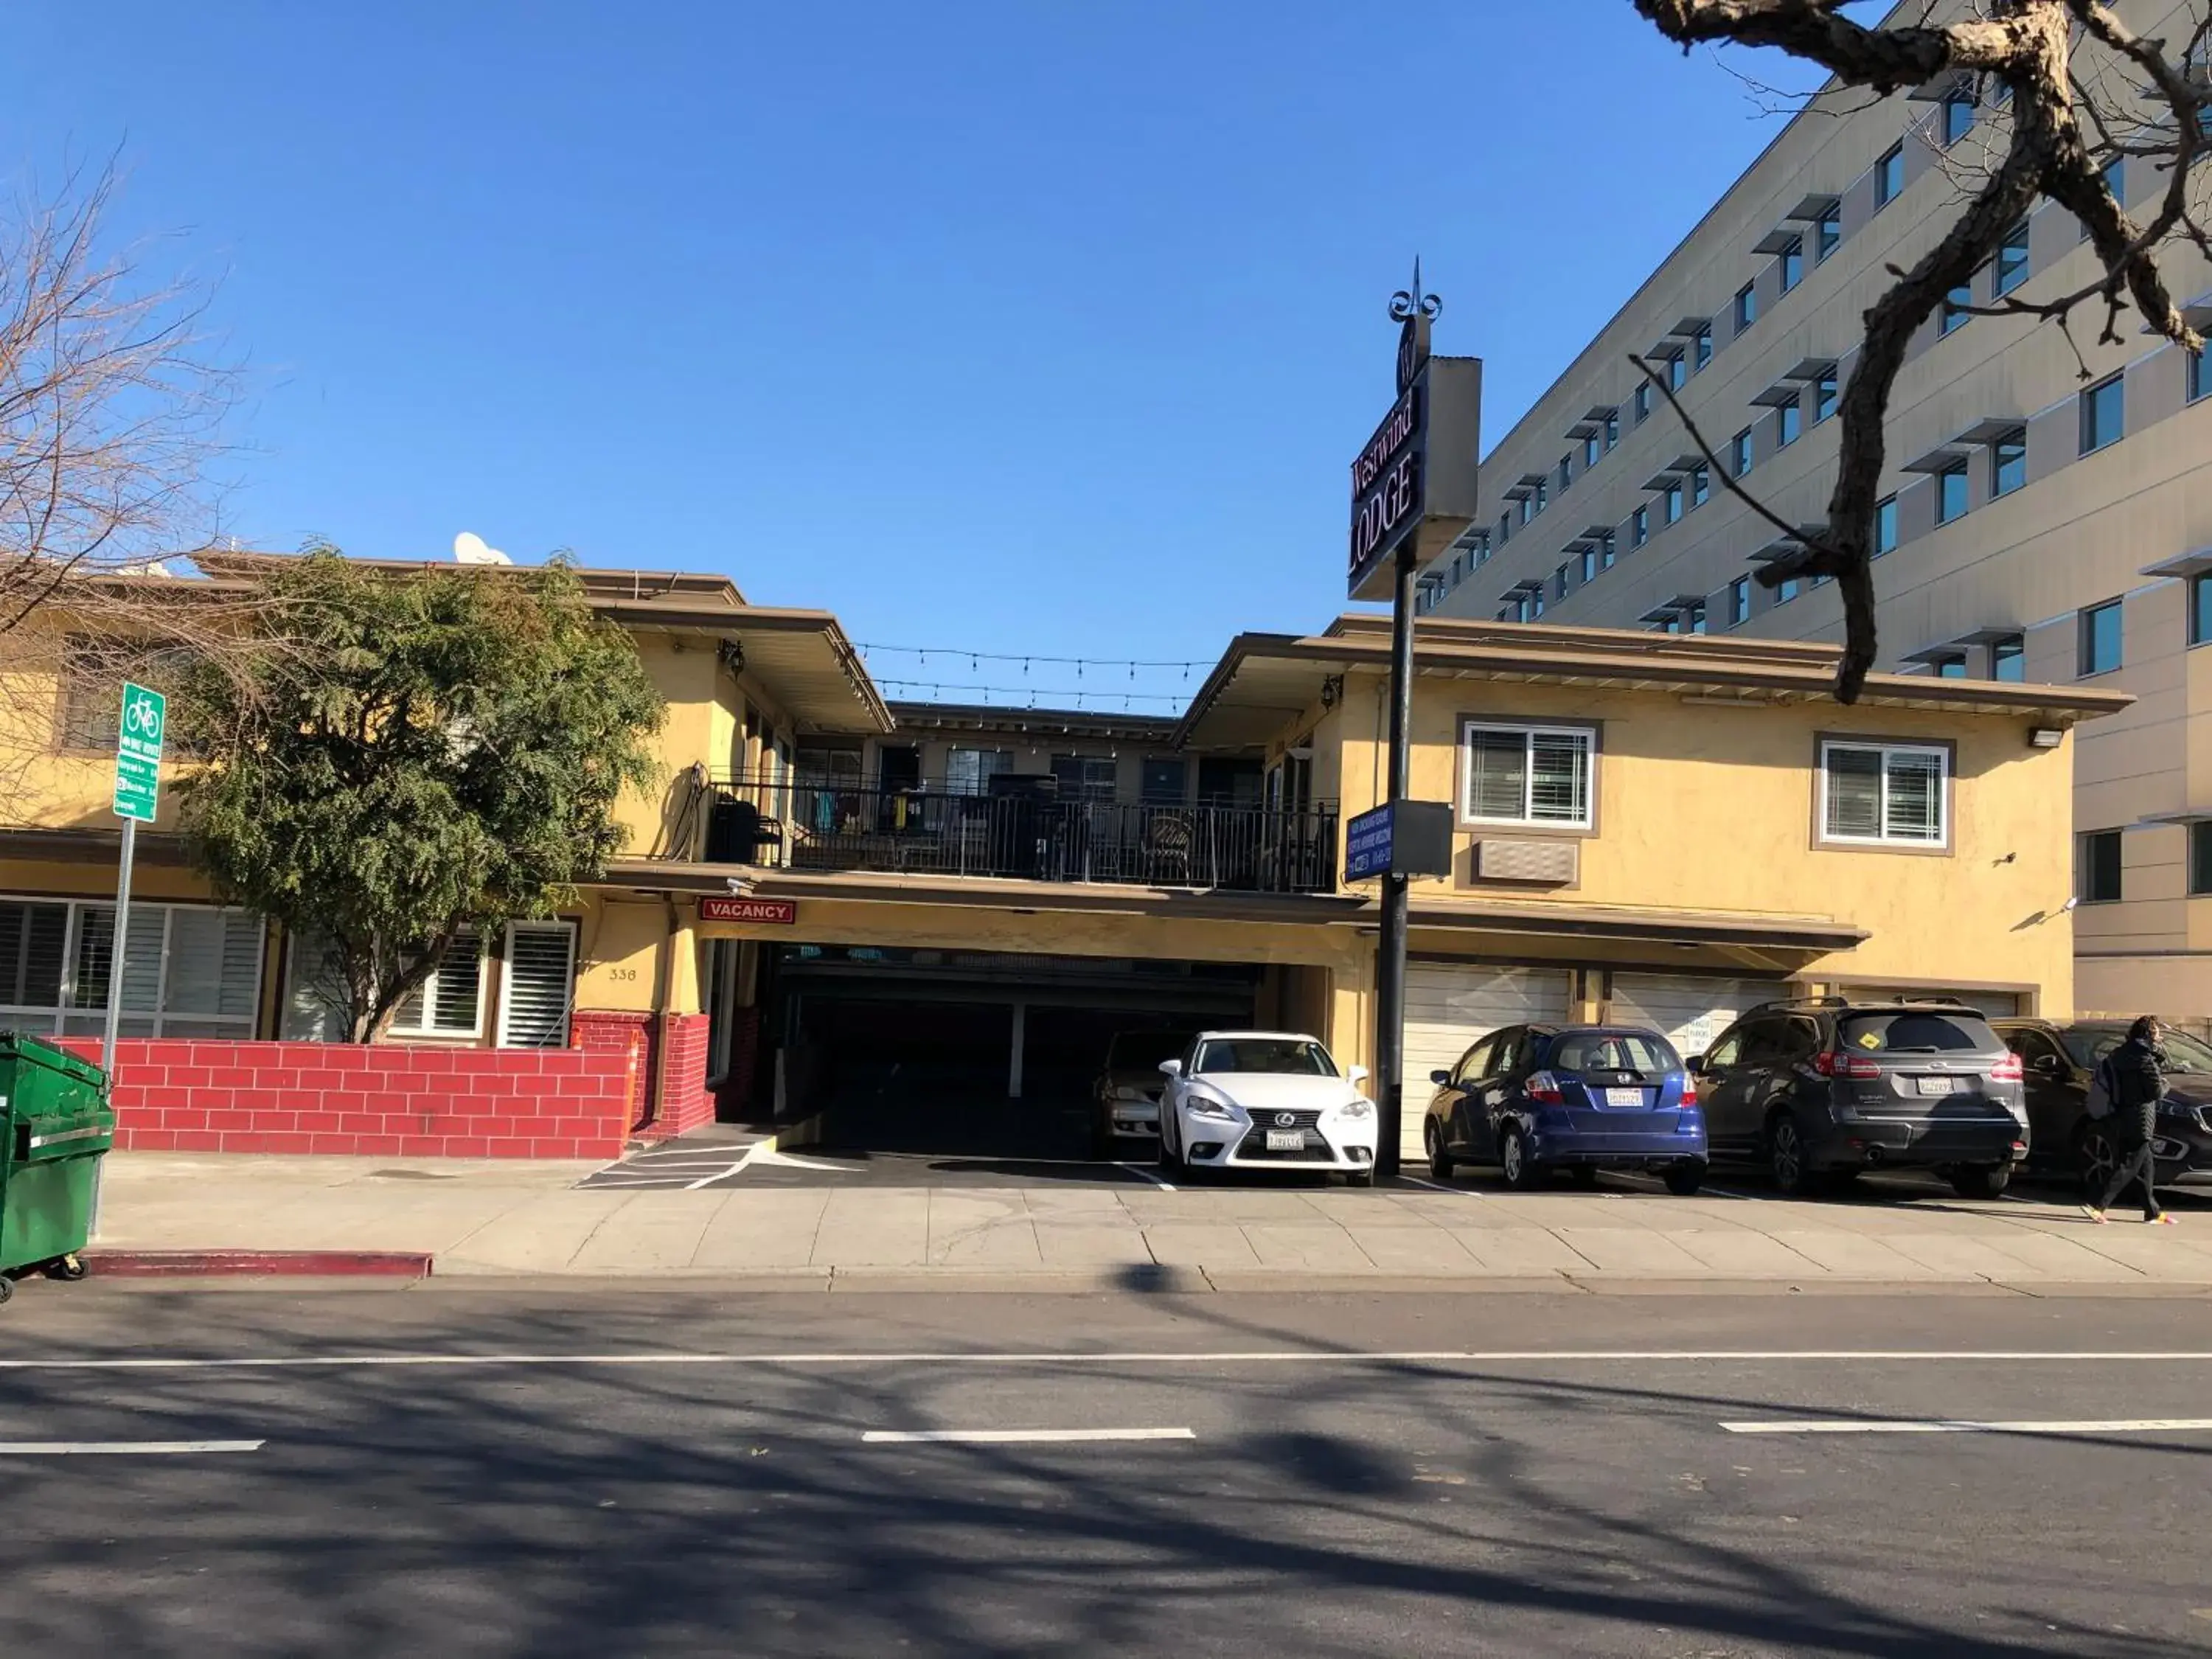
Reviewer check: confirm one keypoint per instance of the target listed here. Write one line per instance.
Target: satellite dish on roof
(469, 549)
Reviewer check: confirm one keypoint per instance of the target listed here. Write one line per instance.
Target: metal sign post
(137, 795)
(1413, 490)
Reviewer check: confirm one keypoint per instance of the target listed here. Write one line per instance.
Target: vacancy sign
(139, 753)
(772, 912)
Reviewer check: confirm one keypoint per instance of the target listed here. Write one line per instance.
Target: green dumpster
(55, 1125)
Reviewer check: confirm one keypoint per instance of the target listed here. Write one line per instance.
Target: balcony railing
(1020, 831)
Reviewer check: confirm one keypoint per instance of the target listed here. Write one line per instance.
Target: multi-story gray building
(2037, 523)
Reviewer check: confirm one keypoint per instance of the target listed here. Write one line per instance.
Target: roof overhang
(2194, 563)
(801, 658)
(1816, 935)
(1781, 394)
(1266, 679)
(1941, 458)
(1776, 240)
(1814, 206)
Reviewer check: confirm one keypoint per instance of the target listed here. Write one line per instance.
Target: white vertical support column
(1014, 1067)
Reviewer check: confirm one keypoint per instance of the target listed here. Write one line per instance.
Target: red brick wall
(671, 1098)
(682, 1103)
(194, 1095)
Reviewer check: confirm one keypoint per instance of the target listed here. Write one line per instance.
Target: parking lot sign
(138, 753)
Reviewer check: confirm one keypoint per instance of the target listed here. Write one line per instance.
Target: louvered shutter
(1497, 775)
(214, 978)
(1854, 779)
(533, 1005)
(315, 999)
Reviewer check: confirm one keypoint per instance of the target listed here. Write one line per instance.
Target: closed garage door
(1690, 1012)
(1992, 1005)
(1451, 1005)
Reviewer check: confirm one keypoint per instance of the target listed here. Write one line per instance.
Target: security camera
(738, 884)
(2070, 904)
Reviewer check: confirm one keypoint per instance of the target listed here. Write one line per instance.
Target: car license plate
(1624, 1097)
(1936, 1085)
(1285, 1140)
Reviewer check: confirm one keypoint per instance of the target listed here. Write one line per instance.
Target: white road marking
(1859, 1425)
(122, 1448)
(1014, 1437)
(1138, 1169)
(1539, 1357)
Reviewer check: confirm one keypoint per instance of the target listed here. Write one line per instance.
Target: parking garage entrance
(970, 1053)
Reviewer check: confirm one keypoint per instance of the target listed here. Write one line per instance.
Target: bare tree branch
(2033, 49)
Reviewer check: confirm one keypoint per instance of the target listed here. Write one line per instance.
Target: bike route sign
(139, 753)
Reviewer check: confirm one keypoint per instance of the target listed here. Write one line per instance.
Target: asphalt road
(525, 1469)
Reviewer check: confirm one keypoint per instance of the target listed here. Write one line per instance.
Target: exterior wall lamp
(2045, 737)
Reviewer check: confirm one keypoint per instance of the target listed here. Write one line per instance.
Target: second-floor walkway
(1020, 830)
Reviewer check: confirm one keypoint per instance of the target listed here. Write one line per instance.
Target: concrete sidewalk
(516, 1218)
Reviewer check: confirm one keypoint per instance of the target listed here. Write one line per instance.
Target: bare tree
(112, 407)
(2079, 87)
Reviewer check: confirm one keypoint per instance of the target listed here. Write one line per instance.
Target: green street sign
(139, 753)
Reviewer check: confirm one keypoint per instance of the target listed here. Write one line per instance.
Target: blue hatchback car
(1532, 1099)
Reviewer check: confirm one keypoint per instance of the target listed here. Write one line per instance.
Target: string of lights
(976, 660)
(937, 691)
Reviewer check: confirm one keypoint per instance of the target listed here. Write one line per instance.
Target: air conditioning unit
(1540, 863)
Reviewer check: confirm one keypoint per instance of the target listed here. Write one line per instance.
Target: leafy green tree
(418, 754)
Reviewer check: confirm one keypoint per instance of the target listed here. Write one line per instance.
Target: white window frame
(43, 1021)
(429, 994)
(1886, 750)
(506, 971)
(1583, 735)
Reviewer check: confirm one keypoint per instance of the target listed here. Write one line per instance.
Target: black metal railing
(1020, 830)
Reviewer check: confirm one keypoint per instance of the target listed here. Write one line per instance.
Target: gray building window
(1827, 233)
(1641, 403)
(1824, 396)
(2200, 381)
(1740, 453)
(1693, 620)
(1639, 527)
(1605, 551)
(2200, 858)
(2097, 876)
(1789, 265)
(1951, 493)
(1958, 117)
(1739, 602)
(2101, 638)
(1792, 422)
(2012, 258)
(2103, 414)
(1747, 306)
(1885, 525)
(1954, 307)
(1701, 347)
(2200, 608)
(1589, 451)
(1889, 176)
(1671, 504)
(2008, 462)
(1701, 486)
(1952, 667)
(1612, 429)
(2009, 658)
(1678, 373)
(1588, 564)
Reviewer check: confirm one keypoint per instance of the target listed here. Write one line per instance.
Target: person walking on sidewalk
(2137, 1078)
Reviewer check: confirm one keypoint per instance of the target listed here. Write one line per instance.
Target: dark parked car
(1532, 1099)
(2057, 1060)
(1820, 1090)
(1125, 1099)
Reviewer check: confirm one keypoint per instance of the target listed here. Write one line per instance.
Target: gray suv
(1818, 1091)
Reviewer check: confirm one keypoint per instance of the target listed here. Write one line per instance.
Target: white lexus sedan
(1265, 1100)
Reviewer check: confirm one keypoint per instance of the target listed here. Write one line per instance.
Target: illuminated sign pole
(1413, 483)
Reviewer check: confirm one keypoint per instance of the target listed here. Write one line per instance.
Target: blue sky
(1021, 324)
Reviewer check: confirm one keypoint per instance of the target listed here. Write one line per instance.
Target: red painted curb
(274, 1264)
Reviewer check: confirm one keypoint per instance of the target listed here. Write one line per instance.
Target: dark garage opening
(914, 1051)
